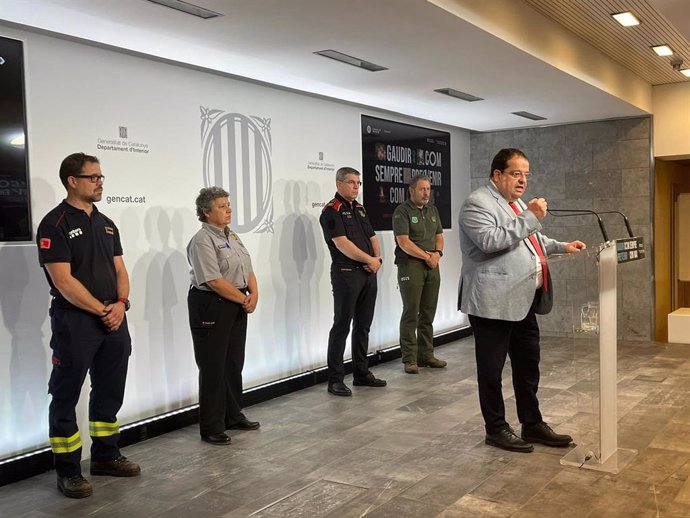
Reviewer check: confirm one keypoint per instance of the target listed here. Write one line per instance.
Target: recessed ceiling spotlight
(662, 50)
(626, 19)
(459, 95)
(530, 116)
(685, 72)
(350, 60)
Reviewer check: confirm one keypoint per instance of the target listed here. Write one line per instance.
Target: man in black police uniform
(80, 251)
(356, 257)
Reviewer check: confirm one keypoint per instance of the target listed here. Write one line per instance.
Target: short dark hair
(204, 202)
(500, 161)
(73, 164)
(417, 179)
(343, 172)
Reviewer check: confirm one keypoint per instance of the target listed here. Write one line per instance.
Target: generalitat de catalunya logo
(236, 152)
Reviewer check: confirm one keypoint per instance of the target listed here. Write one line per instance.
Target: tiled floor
(413, 449)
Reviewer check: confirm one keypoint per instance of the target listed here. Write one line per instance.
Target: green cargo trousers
(419, 287)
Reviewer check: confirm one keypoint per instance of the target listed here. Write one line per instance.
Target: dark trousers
(354, 299)
(419, 287)
(82, 344)
(494, 340)
(219, 332)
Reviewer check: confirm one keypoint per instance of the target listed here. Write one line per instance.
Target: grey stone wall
(598, 166)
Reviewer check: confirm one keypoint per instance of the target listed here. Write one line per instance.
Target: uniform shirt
(89, 243)
(421, 225)
(213, 255)
(340, 218)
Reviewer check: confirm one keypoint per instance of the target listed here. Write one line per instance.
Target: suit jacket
(499, 269)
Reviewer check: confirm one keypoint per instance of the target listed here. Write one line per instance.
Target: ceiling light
(350, 60)
(459, 95)
(685, 72)
(530, 116)
(663, 50)
(188, 8)
(626, 19)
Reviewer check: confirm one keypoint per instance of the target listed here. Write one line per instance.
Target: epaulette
(335, 203)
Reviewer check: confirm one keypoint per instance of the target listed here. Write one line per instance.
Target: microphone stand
(581, 212)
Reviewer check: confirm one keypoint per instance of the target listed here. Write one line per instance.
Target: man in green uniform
(419, 239)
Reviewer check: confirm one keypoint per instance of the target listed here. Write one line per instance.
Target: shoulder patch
(337, 204)
(44, 243)
(331, 204)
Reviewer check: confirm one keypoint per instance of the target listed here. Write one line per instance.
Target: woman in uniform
(223, 291)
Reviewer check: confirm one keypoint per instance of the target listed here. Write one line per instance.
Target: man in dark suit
(505, 282)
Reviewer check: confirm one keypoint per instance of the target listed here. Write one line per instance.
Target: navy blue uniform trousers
(354, 300)
(82, 344)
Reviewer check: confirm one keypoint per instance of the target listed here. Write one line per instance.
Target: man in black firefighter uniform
(356, 257)
(80, 251)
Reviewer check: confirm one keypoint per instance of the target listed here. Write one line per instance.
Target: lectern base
(578, 457)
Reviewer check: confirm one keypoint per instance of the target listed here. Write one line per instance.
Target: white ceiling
(273, 41)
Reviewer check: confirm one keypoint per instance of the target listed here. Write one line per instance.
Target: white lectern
(600, 451)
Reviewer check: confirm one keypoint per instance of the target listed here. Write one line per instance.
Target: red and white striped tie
(537, 247)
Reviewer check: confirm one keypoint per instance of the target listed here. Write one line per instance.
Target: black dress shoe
(75, 486)
(339, 389)
(542, 433)
(217, 439)
(369, 381)
(506, 439)
(244, 424)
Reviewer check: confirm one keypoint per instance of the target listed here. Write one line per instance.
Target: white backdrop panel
(79, 96)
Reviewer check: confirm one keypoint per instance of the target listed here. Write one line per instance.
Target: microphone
(581, 212)
(625, 219)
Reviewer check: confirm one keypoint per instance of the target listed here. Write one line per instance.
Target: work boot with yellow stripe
(75, 486)
(120, 467)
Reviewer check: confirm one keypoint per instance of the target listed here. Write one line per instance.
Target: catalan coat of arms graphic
(237, 157)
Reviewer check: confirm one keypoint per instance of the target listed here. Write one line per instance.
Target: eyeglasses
(352, 183)
(95, 178)
(518, 174)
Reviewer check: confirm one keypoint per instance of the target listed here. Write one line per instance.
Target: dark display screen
(15, 220)
(392, 154)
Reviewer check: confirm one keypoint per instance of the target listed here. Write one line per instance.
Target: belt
(194, 288)
(358, 266)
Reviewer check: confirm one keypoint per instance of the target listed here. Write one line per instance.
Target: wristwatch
(440, 252)
(125, 302)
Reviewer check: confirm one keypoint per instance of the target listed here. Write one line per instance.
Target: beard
(92, 198)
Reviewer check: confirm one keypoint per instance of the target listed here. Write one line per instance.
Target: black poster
(392, 154)
(15, 224)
